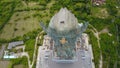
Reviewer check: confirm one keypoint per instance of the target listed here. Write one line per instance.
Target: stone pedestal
(83, 61)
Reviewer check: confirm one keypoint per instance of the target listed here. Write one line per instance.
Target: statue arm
(84, 27)
(47, 30)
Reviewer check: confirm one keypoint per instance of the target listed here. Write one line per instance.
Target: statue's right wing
(82, 29)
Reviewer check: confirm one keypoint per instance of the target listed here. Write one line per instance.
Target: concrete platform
(84, 61)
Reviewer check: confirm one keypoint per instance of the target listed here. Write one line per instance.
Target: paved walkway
(2, 51)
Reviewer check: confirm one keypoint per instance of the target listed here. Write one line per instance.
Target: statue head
(64, 20)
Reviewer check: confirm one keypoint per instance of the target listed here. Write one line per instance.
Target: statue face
(64, 20)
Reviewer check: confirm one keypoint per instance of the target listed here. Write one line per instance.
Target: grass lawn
(24, 21)
(118, 64)
(29, 47)
(118, 13)
(19, 63)
(19, 24)
(25, 5)
(108, 50)
(99, 12)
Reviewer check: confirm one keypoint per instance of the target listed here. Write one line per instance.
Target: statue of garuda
(64, 29)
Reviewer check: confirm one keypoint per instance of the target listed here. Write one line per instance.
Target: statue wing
(82, 29)
(43, 26)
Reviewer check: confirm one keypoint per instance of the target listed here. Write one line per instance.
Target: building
(14, 44)
(98, 2)
(9, 55)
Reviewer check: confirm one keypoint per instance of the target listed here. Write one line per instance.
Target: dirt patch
(19, 66)
(4, 64)
(105, 30)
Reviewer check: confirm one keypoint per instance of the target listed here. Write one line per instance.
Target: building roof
(14, 44)
(11, 57)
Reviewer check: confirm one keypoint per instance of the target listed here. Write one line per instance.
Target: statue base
(65, 61)
(82, 59)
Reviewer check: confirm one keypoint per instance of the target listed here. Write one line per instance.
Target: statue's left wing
(43, 26)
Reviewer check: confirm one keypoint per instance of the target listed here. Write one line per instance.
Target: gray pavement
(84, 61)
(2, 51)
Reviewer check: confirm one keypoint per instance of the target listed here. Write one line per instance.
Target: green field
(20, 25)
(24, 18)
(19, 63)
